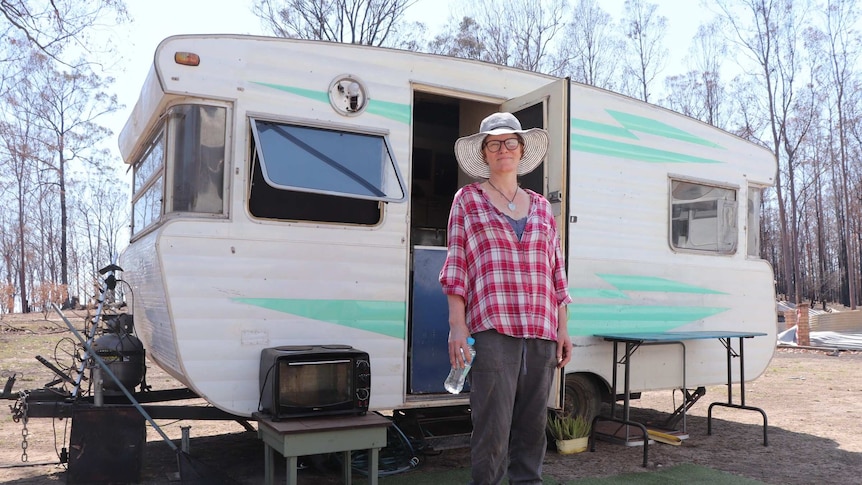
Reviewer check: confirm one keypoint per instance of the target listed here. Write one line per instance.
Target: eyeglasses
(494, 146)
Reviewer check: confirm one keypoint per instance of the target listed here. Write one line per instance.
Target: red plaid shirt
(511, 286)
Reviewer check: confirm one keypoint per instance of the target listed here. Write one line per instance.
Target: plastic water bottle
(455, 382)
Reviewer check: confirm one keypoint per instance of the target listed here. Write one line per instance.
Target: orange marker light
(187, 58)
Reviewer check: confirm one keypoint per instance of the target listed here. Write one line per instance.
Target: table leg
(591, 443)
(627, 385)
(291, 470)
(614, 385)
(347, 470)
(729, 404)
(630, 348)
(268, 465)
(741, 372)
(372, 466)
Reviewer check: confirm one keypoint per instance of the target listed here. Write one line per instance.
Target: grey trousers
(509, 386)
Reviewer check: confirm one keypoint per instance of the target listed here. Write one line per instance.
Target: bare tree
(770, 32)
(50, 25)
(15, 141)
(708, 53)
(8, 254)
(20, 142)
(47, 240)
(465, 42)
(819, 224)
(368, 22)
(684, 94)
(590, 50)
(700, 92)
(103, 214)
(645, 31)
(518, 33)
(839, 43)
(847, 187)
(67, 105)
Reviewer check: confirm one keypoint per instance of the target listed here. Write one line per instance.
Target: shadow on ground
(735, 448)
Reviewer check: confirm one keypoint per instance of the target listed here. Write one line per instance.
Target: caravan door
(442, 118)
(548, 108)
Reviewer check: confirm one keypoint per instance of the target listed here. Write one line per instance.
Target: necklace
(511, 201)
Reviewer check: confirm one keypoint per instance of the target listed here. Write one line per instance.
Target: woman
(506, 286)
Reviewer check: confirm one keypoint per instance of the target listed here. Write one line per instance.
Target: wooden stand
(293, 438)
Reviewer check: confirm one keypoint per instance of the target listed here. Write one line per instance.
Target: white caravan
(296, 193)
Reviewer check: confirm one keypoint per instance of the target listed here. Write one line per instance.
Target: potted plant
(571, 433)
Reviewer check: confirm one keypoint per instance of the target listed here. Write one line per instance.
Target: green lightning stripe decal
(306, 93)
(616, 149)
(589, 317)
(383, 317)
(586, 317)
(652, 283)
(597, 293)
(653, 127)
(394, 111)
(593, 319)
(612, 130)
(628, 125)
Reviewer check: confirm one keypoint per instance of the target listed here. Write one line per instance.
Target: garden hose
(664, 437)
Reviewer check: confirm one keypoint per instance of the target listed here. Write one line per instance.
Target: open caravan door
(440, 117)
(548, 108)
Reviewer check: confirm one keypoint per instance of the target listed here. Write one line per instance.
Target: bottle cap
(471, 341)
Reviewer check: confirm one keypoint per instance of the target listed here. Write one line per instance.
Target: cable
(263, 388)
(397, 457)
(65, 431)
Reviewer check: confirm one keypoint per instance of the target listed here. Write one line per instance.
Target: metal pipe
(98, 391)
(184, 444)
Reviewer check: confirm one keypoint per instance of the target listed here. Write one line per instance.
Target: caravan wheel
(583, 396)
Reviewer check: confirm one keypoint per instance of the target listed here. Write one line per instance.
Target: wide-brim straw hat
(468, 149)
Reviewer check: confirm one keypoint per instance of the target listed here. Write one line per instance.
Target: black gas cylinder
(124, 354)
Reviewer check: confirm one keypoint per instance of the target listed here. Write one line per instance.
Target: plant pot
(574, 445)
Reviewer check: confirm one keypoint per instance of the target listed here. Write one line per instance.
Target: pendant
(512, 206)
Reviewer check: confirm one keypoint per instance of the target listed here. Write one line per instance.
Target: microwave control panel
(363, 382)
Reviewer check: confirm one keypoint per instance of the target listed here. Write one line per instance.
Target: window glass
(703, 217)
(149, 164)
(268, 202)
(327, 161)
(147, 208)
(754, 197)
(197, 146)
(147, 186)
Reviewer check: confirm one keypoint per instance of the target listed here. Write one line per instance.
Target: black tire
(583, 396)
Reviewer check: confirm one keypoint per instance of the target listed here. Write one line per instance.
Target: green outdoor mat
(682, 474)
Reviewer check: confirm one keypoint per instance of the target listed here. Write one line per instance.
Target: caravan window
(327, 161)
(703, 217)
(196, 140)
(753, 223)
(148, 186)
(182, 169)
(323, 175)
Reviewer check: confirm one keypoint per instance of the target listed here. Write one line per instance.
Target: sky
(154, 20)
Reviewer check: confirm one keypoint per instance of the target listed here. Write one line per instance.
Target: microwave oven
(314, 380)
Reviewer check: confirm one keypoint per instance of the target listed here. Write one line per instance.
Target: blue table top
(674, 336)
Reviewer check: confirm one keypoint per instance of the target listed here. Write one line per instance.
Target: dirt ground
(813, 400)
